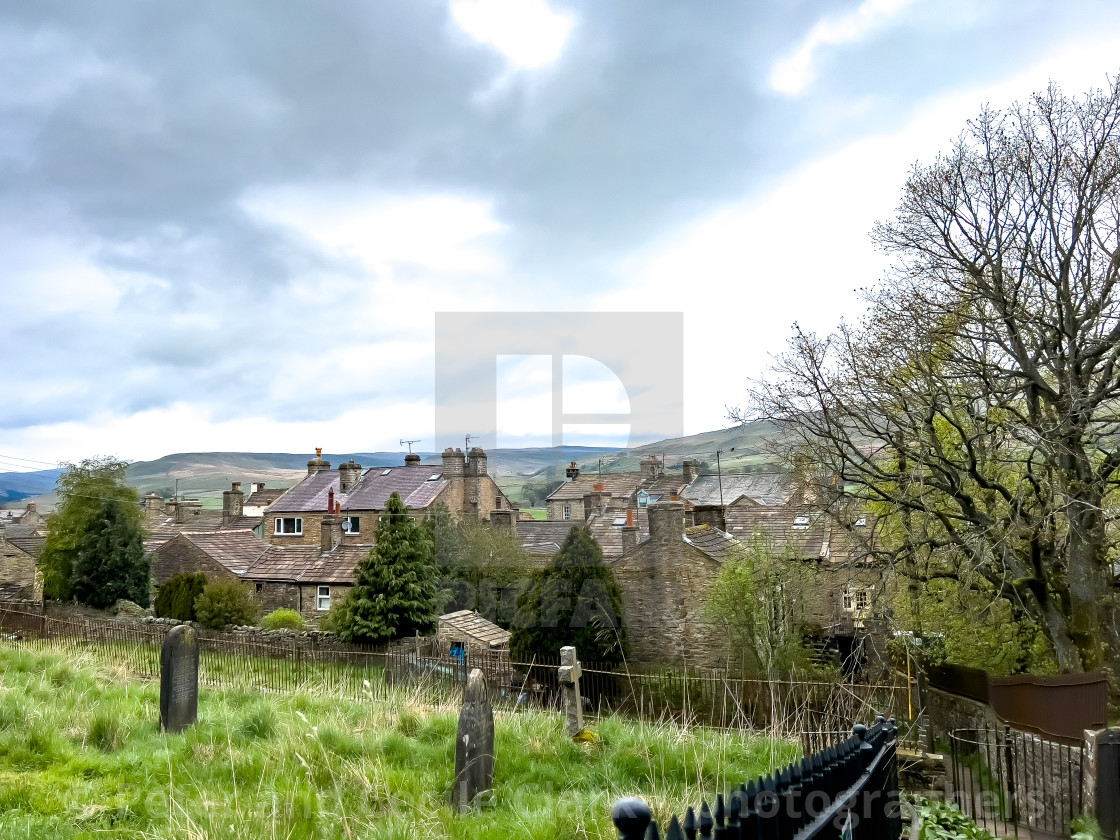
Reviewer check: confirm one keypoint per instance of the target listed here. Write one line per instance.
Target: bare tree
(974, 407)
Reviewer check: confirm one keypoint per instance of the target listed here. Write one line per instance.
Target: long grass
(81, 755)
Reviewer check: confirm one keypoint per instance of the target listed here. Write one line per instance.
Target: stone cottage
(305, 578)
(360, 495)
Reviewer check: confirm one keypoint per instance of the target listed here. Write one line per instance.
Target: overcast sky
(229, 225)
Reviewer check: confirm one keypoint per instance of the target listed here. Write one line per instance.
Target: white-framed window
(857, 600)
(350, 524)
(323, 600)
(566, 512)
(801, 523)
(289, 526)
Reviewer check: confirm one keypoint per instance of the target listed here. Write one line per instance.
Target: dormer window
(643, 499)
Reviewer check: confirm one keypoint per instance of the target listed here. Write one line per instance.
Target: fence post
(631, 817)
(1100, 779)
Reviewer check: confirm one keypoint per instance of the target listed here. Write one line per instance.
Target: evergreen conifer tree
(110, 562)
(575, 601)
(394, 592)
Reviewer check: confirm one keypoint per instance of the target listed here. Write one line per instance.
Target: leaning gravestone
(178, 680)
(474, 744)
(569, 673)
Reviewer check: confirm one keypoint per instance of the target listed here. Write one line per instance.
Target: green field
(81, 756)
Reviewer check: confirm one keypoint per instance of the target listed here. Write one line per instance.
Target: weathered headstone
(570, 671)
(474, 744)
(178, 680)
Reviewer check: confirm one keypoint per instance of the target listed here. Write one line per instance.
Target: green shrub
(225, 602)
(177, 597)
(284, 619)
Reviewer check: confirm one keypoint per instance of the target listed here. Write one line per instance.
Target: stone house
(167, 519)
(360, 495)
(19, 578)
(577, 500)
(305, 578)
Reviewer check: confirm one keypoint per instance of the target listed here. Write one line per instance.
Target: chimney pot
(330, 500)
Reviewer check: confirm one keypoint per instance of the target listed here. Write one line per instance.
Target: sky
(230, 226)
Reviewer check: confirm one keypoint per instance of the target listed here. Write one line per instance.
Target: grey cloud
(149, 123)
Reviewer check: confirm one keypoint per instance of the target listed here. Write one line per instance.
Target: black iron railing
(849, 790)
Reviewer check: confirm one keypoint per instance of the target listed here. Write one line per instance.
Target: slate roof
(471, 624)
(236, 550)
(371, 493)
(414, 485)
(264, 498)
(609, 535)
(307, 564)
(205, 521)
(543, 537)
(769, 490)
(619, 485)
(811, 534)
(29, 545)
(717, 544)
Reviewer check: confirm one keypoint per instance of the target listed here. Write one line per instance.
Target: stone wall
(575, 510)
(665, 582)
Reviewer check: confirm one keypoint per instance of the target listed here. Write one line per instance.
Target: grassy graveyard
(81, 755)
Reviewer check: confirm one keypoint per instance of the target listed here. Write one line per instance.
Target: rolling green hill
(206, 474)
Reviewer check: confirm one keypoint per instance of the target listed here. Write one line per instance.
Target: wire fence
(323, 665)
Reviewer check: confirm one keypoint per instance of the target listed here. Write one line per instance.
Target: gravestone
(178, 680)
(569, 673)
(474, 744)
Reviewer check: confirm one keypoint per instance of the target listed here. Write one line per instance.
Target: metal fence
(1006, 780)
(1061, 706)
(848, 790)
(322, 664)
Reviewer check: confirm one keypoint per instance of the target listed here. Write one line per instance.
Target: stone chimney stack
(652, 468)
(572, 472)
(476, 461)
(186, 508)
(505, 520)
(348, 475)
(332, 531)
(153, 505)
(453, 464)
(629, 533)
(666, 522)
(233, 503)
(317, 464)
(412, 459)
(32, 516)
(691, 471)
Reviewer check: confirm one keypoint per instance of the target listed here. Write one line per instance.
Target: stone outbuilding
(19, 578)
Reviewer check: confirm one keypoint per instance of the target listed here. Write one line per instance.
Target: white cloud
(746, 272)
(442, 232)
(796, 71)
(527, 32)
